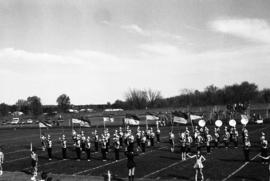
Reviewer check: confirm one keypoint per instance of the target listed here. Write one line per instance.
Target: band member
(189, 142)
(103, 149)
(264, 148)
(196, 132)
(226, 138)
(78, 148)
(235, 136)
(171, 140)
(43, 142)
(138, 138)
(130, 146)
(121, 135)
(143, 142)
(199, 142)
(49, 147)
(131, 165)
(96, 140)
(64, 147)
(216, 138)
(87, 148)
(74, 136)
(152, 137)
(187, 132)
(208, 143)
(148, 133)
(116, 147)
(108, 140)
(246, 148)
(158, 135)
(83, 141)
(34, 162)
(231, 134)
(198, 166)
(244, 133)
(183, 146)
(1, 161)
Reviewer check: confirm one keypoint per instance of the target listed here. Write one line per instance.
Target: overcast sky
(95, 50)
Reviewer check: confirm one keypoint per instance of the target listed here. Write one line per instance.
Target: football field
(157, 163)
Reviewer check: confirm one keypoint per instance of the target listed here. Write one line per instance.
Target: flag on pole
(132, 119)
(180, 117)
(194, 117)
(82, 123)
(43, 124)
(151, 117)
(108, 119)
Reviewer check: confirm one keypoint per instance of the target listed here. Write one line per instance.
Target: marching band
(125, 140)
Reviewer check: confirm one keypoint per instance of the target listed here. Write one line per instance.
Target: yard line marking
(23, 150)
(164, 168)
(240, 168)
(10, 161)
(100, 166)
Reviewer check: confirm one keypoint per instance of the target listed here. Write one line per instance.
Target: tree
(22, 105)
(63, 102)
(4, 109)
(136, 99)
(35, 105)
(153, 98)
(265, 93)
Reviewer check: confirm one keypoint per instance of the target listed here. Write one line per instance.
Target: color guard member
(1, 161)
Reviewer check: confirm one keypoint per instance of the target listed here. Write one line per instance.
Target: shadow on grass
(170, 158)
(178, 177)
(248, 178)
(232, 160)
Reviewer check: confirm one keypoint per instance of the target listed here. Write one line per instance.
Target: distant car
(15, 121)
(29, 121)
(259, 121)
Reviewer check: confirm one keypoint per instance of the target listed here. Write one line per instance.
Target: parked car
(15, 121)
(29, 121)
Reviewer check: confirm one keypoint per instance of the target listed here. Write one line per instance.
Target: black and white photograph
(134, 90)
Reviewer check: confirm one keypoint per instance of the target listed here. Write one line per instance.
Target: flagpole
(171, 122)
(39, 131)
(146, 124)
(191, 122)
(71, 126)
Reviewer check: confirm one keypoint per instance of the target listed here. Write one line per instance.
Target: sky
(96, 50)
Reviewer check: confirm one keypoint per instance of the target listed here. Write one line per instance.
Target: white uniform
(1, 162)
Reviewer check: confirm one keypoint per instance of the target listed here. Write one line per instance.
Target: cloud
(12, 55)
(159, 48)
(133, 28)
(257, 30)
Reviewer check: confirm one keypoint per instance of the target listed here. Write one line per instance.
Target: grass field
(156, 163)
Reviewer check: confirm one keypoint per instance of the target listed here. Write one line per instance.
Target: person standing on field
(198, 166)
(1, 161)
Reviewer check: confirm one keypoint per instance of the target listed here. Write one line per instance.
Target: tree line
(245, 93)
